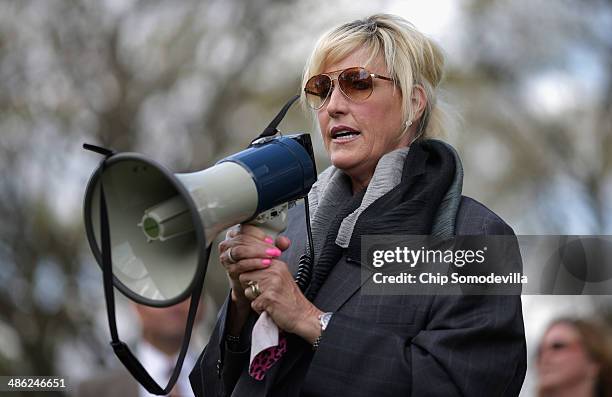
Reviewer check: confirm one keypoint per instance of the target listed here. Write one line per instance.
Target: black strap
(271, 129)
(98, 149)
(122, 351)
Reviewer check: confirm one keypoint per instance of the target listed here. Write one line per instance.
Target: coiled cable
(306, 262)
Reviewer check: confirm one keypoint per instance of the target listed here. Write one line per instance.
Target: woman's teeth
(345, 135)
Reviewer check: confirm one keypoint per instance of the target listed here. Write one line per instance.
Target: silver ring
(229, 256)
(255, 290)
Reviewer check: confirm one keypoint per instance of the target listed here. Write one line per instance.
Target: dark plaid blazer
(411, 345)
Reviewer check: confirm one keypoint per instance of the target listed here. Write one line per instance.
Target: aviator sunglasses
(355, 83)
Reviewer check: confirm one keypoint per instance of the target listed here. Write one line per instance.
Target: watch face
(325, 317)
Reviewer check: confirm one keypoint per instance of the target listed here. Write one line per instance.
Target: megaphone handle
(273, 222)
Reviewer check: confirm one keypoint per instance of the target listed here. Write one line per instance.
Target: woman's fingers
(235, 270)
(253, 231)
(274, 291)
(237, 253)
(283, 243)
(247, 249)
(239, 239)
(232, 232)
(246, 230)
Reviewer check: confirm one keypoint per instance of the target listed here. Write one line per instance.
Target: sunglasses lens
(317, 89)
(356, 83)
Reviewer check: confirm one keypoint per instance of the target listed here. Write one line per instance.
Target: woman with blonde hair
(372, 86)
(575, 359)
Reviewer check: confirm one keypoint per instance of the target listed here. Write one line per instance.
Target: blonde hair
(411, 59)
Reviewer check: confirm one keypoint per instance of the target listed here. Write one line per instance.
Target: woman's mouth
(344, 134)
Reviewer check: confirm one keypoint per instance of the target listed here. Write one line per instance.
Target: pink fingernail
(266, 261)
(273, 251)
(269, 240)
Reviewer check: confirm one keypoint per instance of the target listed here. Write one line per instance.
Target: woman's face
(562, 360)
(376, 123)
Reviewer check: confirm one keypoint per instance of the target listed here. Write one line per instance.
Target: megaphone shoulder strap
(122, 351)
(271, 129)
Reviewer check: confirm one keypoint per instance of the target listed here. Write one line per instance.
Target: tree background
(188, 82)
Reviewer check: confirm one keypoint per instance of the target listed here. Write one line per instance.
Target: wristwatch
(324, 319)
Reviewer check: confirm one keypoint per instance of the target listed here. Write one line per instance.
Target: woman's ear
(418, 101)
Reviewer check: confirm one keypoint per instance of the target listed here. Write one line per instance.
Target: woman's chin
(348, 156)
(344, 161)
(553, 380)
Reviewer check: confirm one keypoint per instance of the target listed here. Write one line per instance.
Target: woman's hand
(247, 248)
(282, 299)
(248, 255)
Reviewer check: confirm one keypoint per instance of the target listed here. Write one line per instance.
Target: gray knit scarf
(333, 189)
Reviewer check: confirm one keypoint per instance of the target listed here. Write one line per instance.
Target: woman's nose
(337, 102)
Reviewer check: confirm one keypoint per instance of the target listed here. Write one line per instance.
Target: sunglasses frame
(339, 73)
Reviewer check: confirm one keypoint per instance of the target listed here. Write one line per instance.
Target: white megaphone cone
(161, 223)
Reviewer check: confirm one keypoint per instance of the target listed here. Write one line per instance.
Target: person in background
(575, 360)
(162, 331)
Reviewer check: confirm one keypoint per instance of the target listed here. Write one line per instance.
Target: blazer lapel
(345, 279)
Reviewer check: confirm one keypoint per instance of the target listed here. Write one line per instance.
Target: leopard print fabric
(267, 358)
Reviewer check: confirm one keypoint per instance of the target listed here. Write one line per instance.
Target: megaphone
(161, 223)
